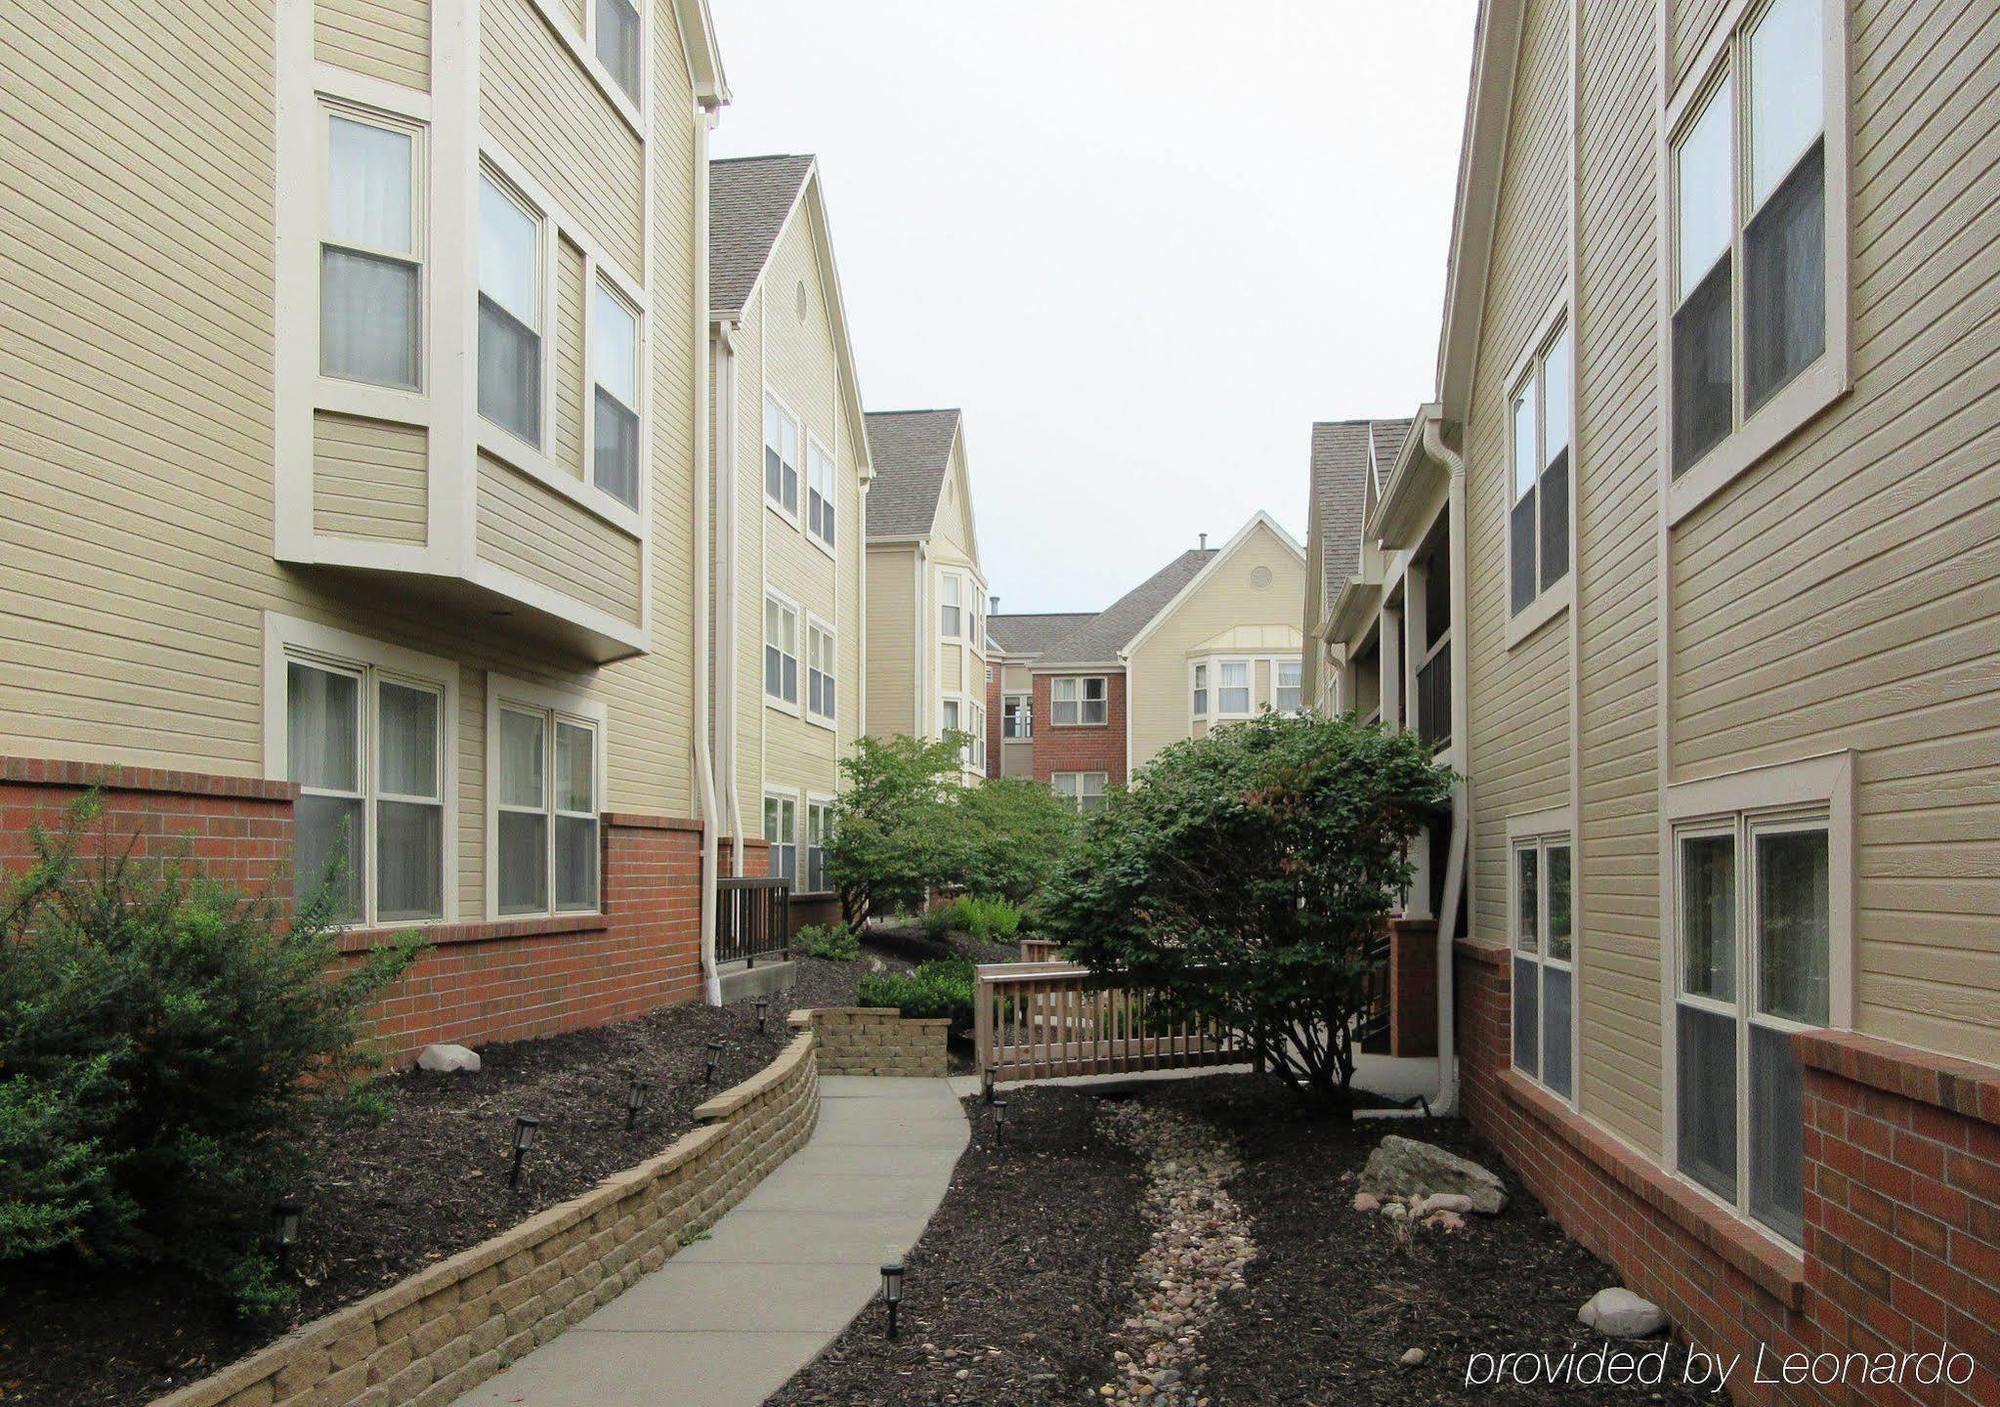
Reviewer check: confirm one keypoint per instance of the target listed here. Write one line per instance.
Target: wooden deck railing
(1040, 950)
(1041, 1020)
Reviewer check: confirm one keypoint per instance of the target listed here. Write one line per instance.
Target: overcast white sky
(1144, 243)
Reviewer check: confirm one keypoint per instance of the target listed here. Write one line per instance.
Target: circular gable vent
(1260, 579)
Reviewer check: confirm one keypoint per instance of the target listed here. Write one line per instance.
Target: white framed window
(1232, 688)
(1290, 693)
(975, 747)
(819, 672)
(781, 457)
(1760, 866)
(1017, 717)
(362, 727)
(619, 39)
(1082, 702)
(819, 830)
(1198, 704)
(1086, 789)
(952, 720)
(545, 764)
(510, 309)
(614, 360)
(1538, 549)
(951, 620)
(819, 493)
(371, 249)
(781, 651)
(781, 831)
(1541, 924)
(1755, 321)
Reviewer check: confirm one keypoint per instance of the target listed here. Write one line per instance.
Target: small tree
(1244, 878)
(890, 831)
(1009, 838)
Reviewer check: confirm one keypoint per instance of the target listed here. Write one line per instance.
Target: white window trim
(402, 402)
(1025, 708)
(1213, 664)
(791, 796)
(958, 580)
(582, 45)
(287, 638)
(973, 755)
(1537, 830)
(565, 706)
(1555, 601)
(820, 720)
(813, 442)
(1817, 790)
(1829, 378)
(814, 799)
(1076, 782)
(594, 278)
(1079, 679)
(796, 707)
(793, 516)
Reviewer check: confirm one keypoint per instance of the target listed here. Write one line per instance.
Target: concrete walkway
(727, 1320)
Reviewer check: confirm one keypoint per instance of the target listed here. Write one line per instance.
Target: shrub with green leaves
(988, 920)
(163, 1041)
(891, 823)
(941, 987)
(829, 942)
(1009, 838)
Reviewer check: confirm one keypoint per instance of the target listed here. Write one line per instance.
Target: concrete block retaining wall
(876, 1040)
(446, 1329)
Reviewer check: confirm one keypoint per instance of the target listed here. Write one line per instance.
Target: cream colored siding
(892, 645)
(1693, 21)
(1845, 591)
(572, 397)
(371, 479)
(538, 534)
(1618, 999)
(547, 113)
(1158, 699)
(1519, 721)
(385, 39)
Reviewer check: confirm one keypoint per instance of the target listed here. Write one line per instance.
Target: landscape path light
(714, 1055)
(635, 1100)
(286, 1218)
(763, 1006)
(892, 1291)
(526, 1129)
(1000, 1122)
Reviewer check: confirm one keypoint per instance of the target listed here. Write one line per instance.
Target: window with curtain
(781, 457)
(781, 651)
(1754, 924)
(1538, 520)
(367, 752)
(614, 360)
(819, 672)
(1290, 686)
(1199, 704)
(1748, 177)
(819, 493)
(370, 270)
(951, 591)
(618, 43)
(1544, 965)
(510, 312)
(1232, 693)
(952, 720)
(547, 811)
(781, 830)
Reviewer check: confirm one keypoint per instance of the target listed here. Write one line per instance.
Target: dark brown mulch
(1017, 1285)
(918, 944)
(386, 1199)
(1336, 1298)
(822, 983)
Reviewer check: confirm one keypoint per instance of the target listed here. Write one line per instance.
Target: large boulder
(450, 1058)
(1620, 1314)
(1406, 1168)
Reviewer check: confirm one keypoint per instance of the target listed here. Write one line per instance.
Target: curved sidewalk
(730, 1318)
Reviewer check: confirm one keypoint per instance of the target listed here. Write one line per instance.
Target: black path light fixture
(892, 1291)
(526, 1129)
(763, 1007)
(714, 1055)
(635, 1100)
(1000, 1123)
(286, 1217)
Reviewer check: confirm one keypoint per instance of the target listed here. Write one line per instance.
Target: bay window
(1538, 515)
(546, 768)
(781, 831)
(370, 264)
(1544, 963)
(819, 493)
(614, 359)
(510, 311)
(781, 651)
(781, 457)
(1232, 693)
(1080, 702)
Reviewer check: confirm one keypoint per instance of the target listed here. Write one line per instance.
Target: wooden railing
(1041, 1020)
(753, 919)
(1040, 950)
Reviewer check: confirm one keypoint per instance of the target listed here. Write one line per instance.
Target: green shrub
(163, 1042)
(830, 942)
(988, 920)
(1009, 838)
(939, 921)
(941, 987)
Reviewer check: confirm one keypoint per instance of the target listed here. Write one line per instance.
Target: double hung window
(819, 672)
(781, 457)
(546, 765)
(618, 43)
(614, 348)
(1198, 705)
(950, 609)
(1544, 960)
(819, 830)
(1017, 717)
(510, 311)
(819, 492)
(1232, 694)
(1290, 687)
(1078, 702)
(1085, 789)
(781, 651)
(781, 829)
(1538, 519)
(370, 261)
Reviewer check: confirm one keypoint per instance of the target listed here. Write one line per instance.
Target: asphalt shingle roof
(1341, 463)
(1100, 637)
(1032, 634)
(911, 454)
(748, 200)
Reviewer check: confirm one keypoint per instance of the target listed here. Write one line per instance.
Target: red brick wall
(1902, 1176)
(1078, 748)
(480, 981)
(1413, 994)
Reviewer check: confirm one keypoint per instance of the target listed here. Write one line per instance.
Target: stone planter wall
(876, 1040)
(446, 1329)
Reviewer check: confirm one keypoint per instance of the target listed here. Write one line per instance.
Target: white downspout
(1461, 809)
(729, 674)
(704, 760)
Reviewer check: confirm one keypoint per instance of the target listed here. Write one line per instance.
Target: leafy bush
(891, 823)
(941, 987)
(1009, 838)
(163, 1040)
(988, 920)
(829, 941)
(1246, 876)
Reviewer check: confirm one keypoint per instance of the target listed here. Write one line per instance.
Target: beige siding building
(926, 599)
(792, 475)
(375, 494)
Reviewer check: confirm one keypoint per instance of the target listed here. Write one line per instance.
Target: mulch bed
(1013, 1292)
(385, 1200)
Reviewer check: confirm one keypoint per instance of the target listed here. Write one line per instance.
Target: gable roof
(1033, 634)
(750, 199)
(911, 452)
(1340, 465)
(1100, 638)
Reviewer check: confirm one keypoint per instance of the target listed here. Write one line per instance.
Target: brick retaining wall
(876, 1040)
(1902, 1204)
(443, 1331)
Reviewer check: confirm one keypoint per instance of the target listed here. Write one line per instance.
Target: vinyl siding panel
(892, 646)
(548, 114)
(572, 397)
(1692, 22)
(1845, 592)
(385, 39)
(371, 479)
(1518, 749)
(538, 534)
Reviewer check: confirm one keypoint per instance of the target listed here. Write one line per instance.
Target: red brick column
(1412, 986)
